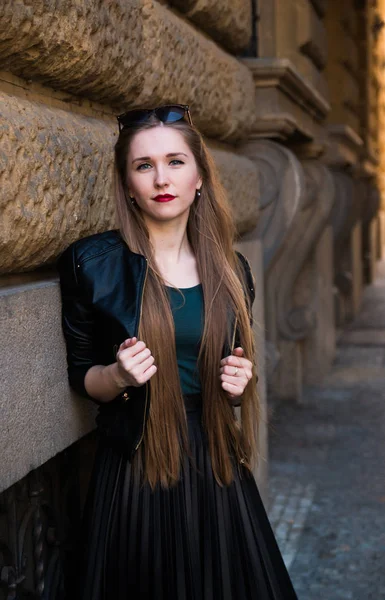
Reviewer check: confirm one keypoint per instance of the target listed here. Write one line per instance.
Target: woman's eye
(145, 165)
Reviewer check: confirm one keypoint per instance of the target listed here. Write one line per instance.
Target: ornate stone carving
(292, 286)
(128, 52)
(281, 185)
(343, 147)
(228, 22)
(56, 171)
(369, 195)
(345, 214)
(346, 209)
(286, 103)
(281, 189)
(295, 319)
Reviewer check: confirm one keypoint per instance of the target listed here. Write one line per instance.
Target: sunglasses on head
(169, 113)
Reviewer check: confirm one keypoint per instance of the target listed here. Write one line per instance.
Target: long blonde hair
(211, 232)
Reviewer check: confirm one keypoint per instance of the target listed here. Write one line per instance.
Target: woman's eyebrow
(167, 156)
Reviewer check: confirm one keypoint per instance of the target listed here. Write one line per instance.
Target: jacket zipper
(146, 384)
(233, 340)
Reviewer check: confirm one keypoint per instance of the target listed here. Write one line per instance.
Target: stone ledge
(343, 148)
(131, 53)
(55, 167)
(286, 103)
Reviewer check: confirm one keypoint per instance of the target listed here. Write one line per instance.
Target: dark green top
(188, 318)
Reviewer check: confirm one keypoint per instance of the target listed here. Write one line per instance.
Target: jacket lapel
(117, 291)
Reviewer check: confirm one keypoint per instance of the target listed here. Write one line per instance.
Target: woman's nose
(160, 178)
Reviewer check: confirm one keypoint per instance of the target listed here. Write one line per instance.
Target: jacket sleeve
(77, 322)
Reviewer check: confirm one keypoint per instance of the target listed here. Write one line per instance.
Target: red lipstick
(164, 198)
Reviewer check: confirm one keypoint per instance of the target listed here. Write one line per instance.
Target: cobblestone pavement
(327, 468)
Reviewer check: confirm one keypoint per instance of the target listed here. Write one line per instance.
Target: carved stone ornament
(286, 104)
(343, 148)
(280, 187)
(346, 210)
(295, 319)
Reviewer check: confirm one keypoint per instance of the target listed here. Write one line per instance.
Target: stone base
(40, 415)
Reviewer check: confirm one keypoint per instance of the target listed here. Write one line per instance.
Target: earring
(133, 201)
(198, 194)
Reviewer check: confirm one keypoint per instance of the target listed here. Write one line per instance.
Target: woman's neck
(170, 242)
(174, 256)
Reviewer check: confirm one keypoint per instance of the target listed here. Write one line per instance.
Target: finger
(234, 379)
(146, 364)
(230, 370)
(140, 357)
(229, 360)
(232, 389)
(144, 373)
(138, 369)
(129, 342)
(125, 343)
(236, 361)
(150, 372)
(238, 351)
(135, 348)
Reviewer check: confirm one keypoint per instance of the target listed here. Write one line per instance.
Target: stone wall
(68, 68)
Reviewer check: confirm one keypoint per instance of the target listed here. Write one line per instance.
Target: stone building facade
(289, 95)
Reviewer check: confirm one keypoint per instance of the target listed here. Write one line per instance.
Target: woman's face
(161, 163)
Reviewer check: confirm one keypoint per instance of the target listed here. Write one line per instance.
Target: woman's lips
(164, 198)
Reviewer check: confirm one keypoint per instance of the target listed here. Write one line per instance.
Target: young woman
(157, 322)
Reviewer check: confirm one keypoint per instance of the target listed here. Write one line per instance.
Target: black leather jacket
(102, 284)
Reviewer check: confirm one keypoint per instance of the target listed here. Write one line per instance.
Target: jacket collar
(122, 301)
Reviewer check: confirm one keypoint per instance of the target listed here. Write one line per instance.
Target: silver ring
(236, 371)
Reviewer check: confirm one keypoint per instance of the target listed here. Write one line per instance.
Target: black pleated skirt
(195, 541)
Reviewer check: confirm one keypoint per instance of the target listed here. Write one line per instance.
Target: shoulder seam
(81, 261)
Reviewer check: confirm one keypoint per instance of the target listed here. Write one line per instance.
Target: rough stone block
(240, 178)
(127, 53)
(228, 21)
(56, 168)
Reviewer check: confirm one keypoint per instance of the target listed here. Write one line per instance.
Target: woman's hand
(235, 373)
(135, 363)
